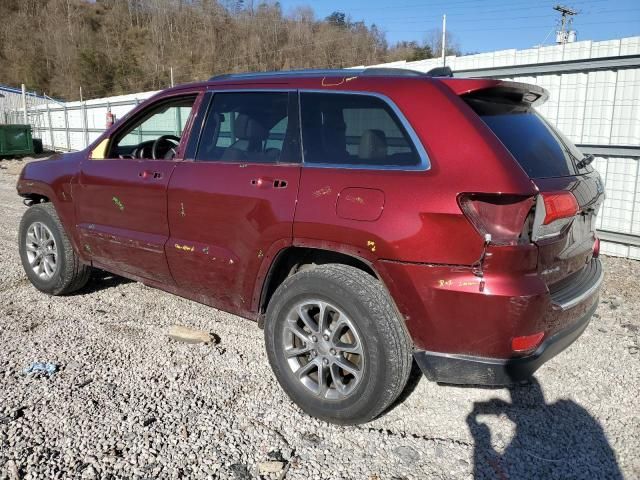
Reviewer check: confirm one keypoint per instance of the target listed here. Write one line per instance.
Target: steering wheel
(170, 140)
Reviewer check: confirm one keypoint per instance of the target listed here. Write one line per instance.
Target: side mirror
(100, 152)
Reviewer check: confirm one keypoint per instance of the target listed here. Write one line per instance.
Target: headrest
(373, 145)
(248, 128)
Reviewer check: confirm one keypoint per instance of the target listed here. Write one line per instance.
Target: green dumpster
(15, 140)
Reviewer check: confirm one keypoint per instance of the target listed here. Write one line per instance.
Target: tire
(360, 316)
(67, 274)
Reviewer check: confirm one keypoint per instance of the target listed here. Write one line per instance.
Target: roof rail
(344, 72)
(288, 73)
(391, 72)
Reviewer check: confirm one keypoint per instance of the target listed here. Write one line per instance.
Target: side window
(354, 129)
(253, 127)
(156, 133)
(170, 121)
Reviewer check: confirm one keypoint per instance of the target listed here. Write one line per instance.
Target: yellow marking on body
(322, 191)
(118, 203)
(185, 248)
(325, 84)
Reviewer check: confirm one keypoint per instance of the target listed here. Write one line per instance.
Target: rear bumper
(576, 288)
(471, 370)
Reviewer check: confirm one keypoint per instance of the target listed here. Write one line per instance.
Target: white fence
(594, 99)
(73, 125)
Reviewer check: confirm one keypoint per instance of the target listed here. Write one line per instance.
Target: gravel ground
(128, 402)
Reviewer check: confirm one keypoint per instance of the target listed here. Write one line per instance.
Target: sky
(486, 25)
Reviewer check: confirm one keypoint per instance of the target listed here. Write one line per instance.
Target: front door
(121, 199)
(234, 203)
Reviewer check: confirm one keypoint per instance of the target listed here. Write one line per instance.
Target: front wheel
(47, 254)
(336, 343)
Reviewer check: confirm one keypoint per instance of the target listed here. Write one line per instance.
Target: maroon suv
(362, 217)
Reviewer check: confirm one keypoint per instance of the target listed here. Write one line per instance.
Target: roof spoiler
(510, 93)
(440, 72)
(501, 91)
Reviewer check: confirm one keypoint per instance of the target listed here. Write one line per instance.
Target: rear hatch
(562, 222)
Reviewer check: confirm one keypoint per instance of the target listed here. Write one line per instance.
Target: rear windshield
(540, 149)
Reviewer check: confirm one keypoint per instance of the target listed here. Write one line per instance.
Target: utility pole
(444, 36)
(565, 34)
(24, 104)
(171, 71)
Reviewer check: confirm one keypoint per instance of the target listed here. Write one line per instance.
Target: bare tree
(121, 46)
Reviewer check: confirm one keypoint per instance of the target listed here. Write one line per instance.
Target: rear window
(354, 129)
(540, 149)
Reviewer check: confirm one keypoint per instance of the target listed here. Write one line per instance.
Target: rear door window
(354, 129)
(251, 127)
(540, 149)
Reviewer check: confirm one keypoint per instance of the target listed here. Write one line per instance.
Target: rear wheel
(336, 343)
(46, 252)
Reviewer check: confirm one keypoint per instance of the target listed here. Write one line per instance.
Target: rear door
(571, 191)
(231, 203)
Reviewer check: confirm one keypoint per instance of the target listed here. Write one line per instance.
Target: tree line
(111, 47)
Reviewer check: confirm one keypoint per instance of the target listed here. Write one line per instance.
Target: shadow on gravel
(559, 440)
(101, 280)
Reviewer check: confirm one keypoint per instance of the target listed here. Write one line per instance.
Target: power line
(520, 27)
(490, 14)
(464, 4)
(477, 19)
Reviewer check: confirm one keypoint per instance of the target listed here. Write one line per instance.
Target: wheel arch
(37, 192)
(33, 198)
(292, 259)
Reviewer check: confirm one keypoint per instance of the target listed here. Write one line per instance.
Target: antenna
(565, 34)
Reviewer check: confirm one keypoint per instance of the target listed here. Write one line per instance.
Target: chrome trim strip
(587, 293)
(425, 163)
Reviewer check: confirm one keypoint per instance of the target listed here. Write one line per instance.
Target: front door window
(156, 134)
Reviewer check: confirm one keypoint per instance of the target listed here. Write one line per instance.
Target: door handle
(265, 182)
(148, 174)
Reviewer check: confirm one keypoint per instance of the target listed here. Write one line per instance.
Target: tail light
(554, 210)
(596, 248)
(526, 343)
(558, 206)
(504, 217)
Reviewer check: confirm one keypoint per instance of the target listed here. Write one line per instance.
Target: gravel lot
(128, 402)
